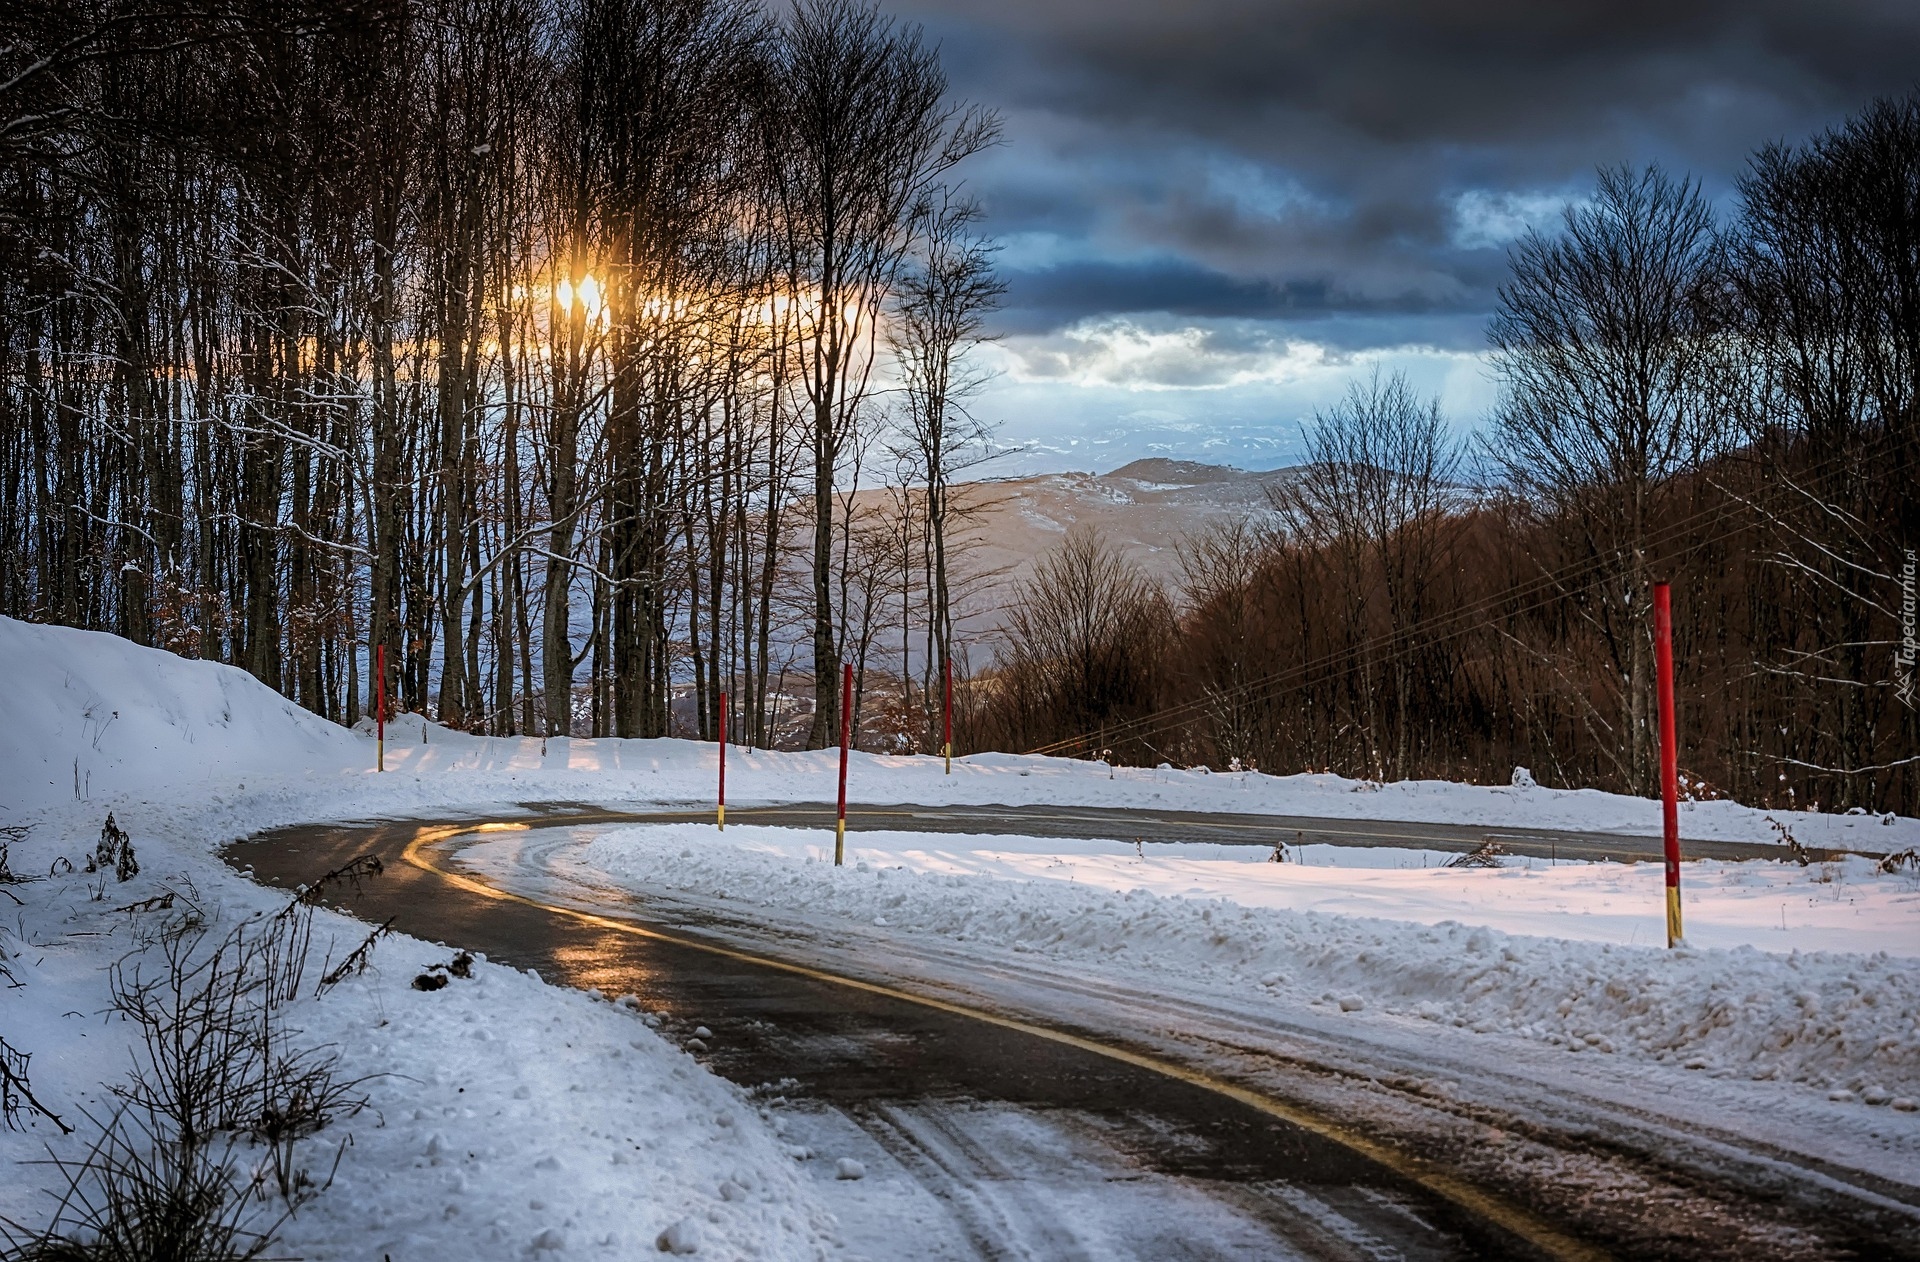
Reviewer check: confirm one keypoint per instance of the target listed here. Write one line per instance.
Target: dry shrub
(201, 1158)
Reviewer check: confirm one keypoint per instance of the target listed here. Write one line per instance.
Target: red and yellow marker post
(723, 763)
(380, 707)
(846, 740)
(947, 721)
(1669, 755)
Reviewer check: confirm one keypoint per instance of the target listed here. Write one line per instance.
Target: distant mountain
(1143, 508)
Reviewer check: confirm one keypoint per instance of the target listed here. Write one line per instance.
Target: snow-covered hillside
(454, 1158)
(91, 715)
(503, 1118)
(1143, 509)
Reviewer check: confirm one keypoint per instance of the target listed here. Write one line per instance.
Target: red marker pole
(947, 724)
(1669, 755)
(380, 706)
(846, 742)
(723, 762)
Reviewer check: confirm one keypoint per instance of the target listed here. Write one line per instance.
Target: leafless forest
(1730, 406)
(547, 346)
(540, 345)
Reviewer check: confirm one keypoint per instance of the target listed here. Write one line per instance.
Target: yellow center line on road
(1541, 1235)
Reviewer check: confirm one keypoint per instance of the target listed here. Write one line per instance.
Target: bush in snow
(114, 853)
(201, 1158)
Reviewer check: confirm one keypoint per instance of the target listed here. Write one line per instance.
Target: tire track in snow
(1001, 1218)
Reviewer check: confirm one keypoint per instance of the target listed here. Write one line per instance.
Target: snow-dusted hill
(87, 714)
(1142, 509)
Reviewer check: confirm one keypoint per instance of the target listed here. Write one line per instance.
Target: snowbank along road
(1237, 829)
(1008, 1107)
(1029, 1043)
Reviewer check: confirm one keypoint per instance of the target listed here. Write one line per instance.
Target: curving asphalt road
(1231, 828)
(1030, 1136)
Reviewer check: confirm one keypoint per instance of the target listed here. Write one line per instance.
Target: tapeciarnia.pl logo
(1905, 655)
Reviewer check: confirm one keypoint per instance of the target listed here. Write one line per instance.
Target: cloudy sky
(1215, 212)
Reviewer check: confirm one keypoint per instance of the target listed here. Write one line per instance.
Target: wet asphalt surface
(984, 1142)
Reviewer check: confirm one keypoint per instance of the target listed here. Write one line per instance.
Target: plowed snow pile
(88, 715)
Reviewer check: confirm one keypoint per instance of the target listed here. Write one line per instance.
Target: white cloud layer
(1108, 391)
(1487, 220)
(1166, 353)
(1138, 355)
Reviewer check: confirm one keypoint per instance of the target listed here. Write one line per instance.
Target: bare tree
(1377, 497)
(945, 298)
(1086, 637)
(1827, 276)
(1219, 570)
(1605, 343)
(859, 129)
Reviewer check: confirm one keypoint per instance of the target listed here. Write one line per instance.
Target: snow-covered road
(1645, 1158)
(1713, 1130)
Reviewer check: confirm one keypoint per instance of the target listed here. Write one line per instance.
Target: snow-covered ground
(504, 1117)
(1849, 905)
(457, 1156)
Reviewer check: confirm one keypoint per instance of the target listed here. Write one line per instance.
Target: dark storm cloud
(1394, 73)
(1280, 160)
(1044, 298)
